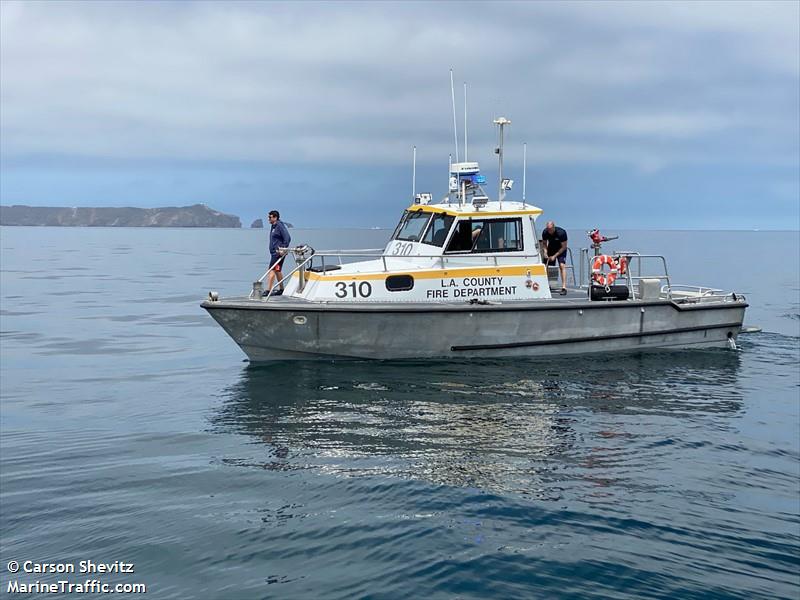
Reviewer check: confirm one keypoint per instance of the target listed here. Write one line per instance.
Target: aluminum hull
(295, 330)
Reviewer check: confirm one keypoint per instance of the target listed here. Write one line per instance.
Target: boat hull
(273, 331)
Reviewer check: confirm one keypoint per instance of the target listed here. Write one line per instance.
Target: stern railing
(634, 261)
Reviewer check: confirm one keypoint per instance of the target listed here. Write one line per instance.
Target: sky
(636, 115)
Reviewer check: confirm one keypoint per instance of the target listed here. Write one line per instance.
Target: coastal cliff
(198, 215)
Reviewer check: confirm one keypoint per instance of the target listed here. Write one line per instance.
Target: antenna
(414, 175)
(465, 121)
(449, 171)
(524, 168)
(455, 128)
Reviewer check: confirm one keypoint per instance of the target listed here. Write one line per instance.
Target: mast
(449, 174)
(524, 168)
(501, 122)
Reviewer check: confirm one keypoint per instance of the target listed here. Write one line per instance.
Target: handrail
(354, 252)
(693, 290)
(632, 278)
(443, 256)
(285, 277)
(382, 255)
(700, 289)
(570, 266)
(699, 294)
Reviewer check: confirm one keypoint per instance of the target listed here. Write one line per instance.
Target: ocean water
(132, 429)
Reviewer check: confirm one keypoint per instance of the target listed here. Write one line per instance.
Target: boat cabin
(454, 230)
(483, 251)
(464, 247)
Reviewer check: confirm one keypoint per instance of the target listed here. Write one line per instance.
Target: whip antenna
(465, 121)
(453, 97)
(414, 174)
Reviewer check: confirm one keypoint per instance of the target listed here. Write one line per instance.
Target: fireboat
(463, 278)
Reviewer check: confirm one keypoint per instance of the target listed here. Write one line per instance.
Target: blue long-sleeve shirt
(278, 238)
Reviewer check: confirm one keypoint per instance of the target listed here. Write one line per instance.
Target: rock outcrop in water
(197, 215)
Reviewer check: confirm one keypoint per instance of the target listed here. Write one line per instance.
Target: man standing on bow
(278, 238)
(554, 250)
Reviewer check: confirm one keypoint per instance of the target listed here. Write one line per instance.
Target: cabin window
(461, 240)
(399, 283)
(487, 235)
(411, 226)
(500, 235)
(438, 230)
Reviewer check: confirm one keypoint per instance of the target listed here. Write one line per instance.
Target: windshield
(399, 225)
(412, 226)
(437, 232)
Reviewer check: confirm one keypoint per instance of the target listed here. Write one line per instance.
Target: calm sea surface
(133, 430)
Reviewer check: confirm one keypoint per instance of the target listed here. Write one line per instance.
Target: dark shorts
(561, 259)
(277, 261)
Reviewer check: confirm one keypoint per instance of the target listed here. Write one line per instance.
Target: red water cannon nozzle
(596, 238)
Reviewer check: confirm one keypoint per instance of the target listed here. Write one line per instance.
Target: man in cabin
(554, 250)
(278, 238)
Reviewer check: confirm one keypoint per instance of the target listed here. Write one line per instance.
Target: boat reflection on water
(521, 426)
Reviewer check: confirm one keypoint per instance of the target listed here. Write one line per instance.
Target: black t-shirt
(554, 240)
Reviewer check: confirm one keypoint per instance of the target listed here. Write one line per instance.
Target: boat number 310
(353, 289)
(401, 249)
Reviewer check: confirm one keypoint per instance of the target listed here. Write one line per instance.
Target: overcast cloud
(154, 94)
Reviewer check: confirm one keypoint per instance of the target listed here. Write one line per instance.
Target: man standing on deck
(554, 250)
(278, 238)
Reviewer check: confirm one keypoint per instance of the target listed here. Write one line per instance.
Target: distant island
(197, 215)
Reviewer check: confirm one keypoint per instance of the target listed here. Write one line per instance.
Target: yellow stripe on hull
(518, 271)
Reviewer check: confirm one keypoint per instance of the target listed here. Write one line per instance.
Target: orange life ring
(601, 278)
(623, 265)
(535, 286)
